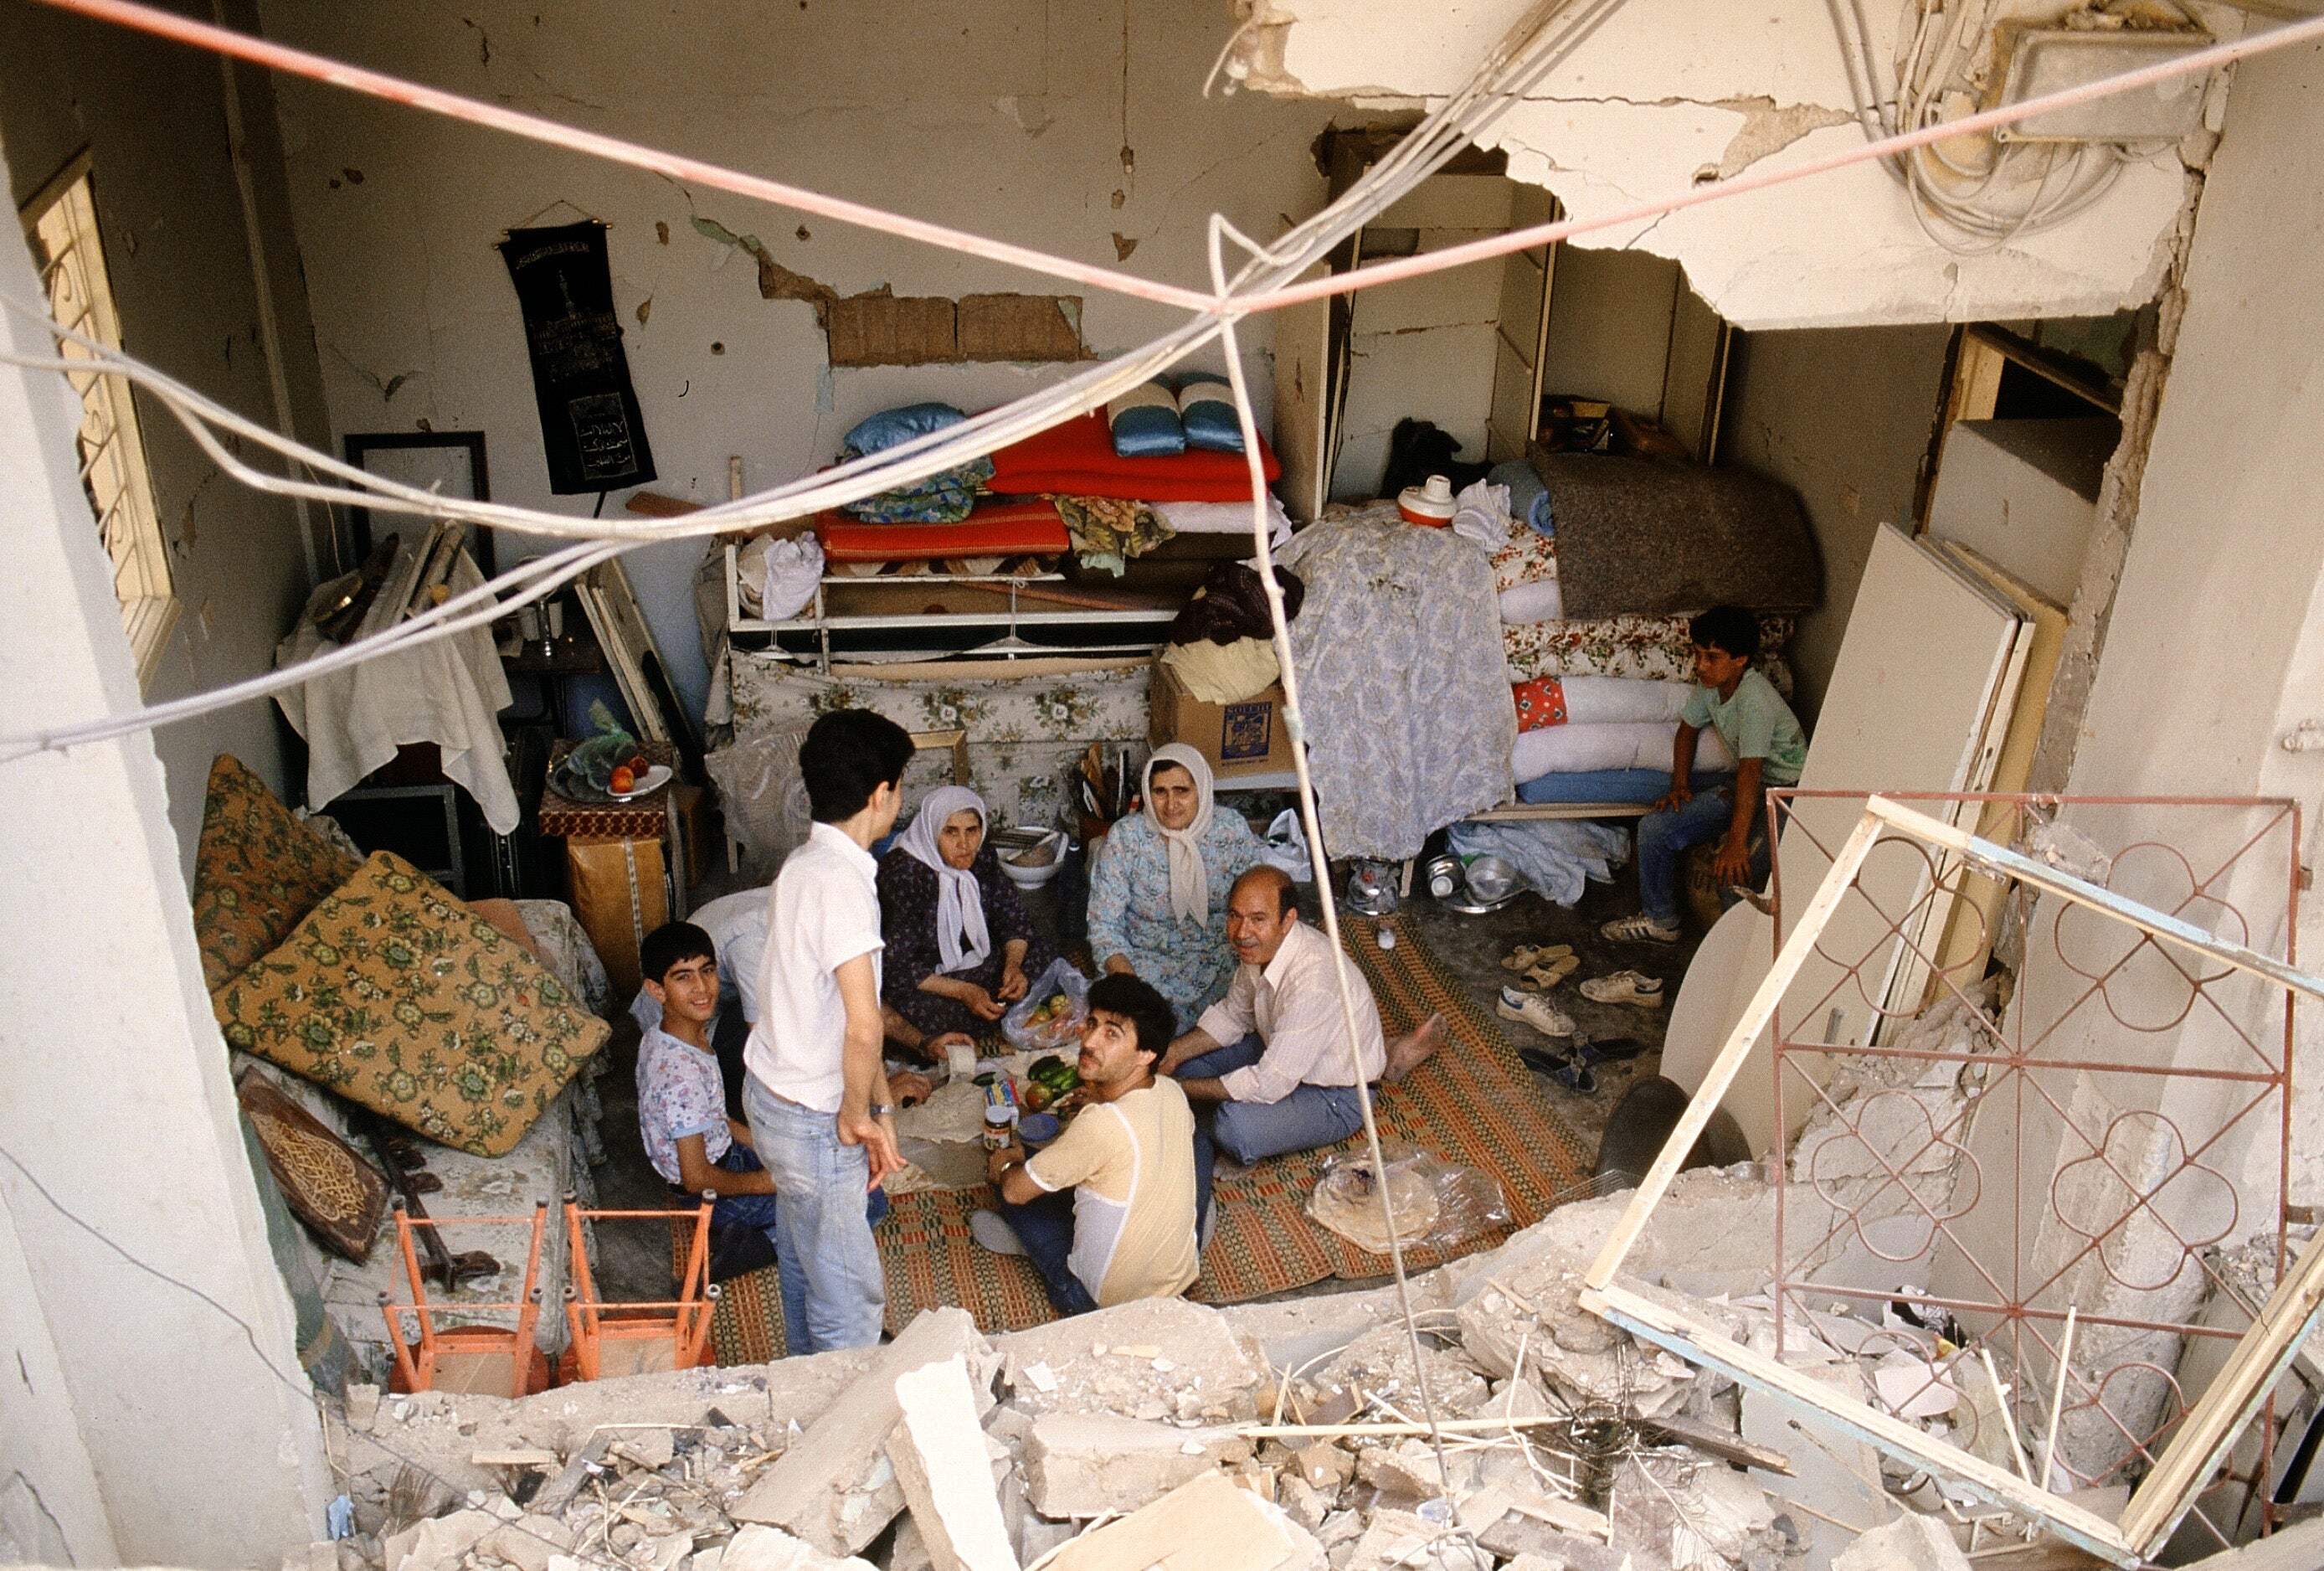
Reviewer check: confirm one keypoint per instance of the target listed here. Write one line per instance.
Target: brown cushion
(394, 994)
(256, 872)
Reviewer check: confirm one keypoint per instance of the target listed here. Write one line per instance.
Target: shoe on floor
(993, 1233)
(1535, 1010)
(1625, 987)
(1641, 929)
(1548, 974)
(1525, 956)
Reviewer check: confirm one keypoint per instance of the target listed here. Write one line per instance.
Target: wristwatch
(881, 1110)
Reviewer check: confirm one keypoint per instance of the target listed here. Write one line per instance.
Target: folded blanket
(1617, 745)
(1599, 700)
(1638, 535)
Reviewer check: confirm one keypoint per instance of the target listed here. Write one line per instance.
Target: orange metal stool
(498, 1360)
(617, 1339)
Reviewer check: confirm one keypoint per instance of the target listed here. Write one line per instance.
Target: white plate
(655, 779)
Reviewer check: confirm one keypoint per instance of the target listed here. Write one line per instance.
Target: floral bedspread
(1026, 725)
(1628, 646)
(1402, 684)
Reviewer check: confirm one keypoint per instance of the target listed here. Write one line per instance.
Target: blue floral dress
(1130, 911)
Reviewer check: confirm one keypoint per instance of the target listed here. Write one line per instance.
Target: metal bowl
(1491, 879)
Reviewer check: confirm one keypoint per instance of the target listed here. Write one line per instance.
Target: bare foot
(1413, 1049)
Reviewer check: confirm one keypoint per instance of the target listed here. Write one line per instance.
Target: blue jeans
(834, 1292)
(759, 1210)
(1311, 1116)
(1663, 835)
(1045, 1227)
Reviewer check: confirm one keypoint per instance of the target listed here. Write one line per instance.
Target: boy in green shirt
(1763, 733)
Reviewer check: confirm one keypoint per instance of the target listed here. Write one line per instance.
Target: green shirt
(1756, 722)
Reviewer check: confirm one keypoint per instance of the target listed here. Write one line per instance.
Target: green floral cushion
(396, 996)
(256, 872)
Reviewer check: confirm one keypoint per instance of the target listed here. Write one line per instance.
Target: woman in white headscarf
(1158, 902)
(960, 947)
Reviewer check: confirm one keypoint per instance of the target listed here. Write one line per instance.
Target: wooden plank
(2229, 1407)
(1534, 812)
(1700, 1342)
(1729, 1063)
(557, 1493)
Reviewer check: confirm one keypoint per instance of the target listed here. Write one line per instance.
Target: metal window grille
(61, 223)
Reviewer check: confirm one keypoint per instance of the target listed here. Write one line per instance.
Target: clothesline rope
(1528, 50)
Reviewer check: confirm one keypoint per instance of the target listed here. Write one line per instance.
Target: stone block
(1154, 1359)
(758, 1547)
(833, 1486)
(436, 1544)
(1205, 1524)
(528, 1542)
(939, 1453)
(1082, 1464)
(1912, 1542)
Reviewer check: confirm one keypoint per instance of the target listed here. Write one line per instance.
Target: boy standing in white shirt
(820, 1110)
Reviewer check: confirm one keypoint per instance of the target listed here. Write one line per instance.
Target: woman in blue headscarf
(1158, 904)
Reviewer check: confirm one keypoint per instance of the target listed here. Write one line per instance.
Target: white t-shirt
(823, 912)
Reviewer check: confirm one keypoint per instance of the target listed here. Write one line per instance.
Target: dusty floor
(634, 1258)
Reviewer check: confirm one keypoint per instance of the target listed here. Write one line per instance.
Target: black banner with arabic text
(590, 423)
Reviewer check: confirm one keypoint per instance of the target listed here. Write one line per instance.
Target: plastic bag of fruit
(1048, 1018)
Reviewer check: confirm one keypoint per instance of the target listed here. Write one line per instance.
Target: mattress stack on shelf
(1599, 607)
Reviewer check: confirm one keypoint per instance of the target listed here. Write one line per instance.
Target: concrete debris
(1676, 1511)
(1082, 1465)
(835, 1488)
(1156, 1359)
(1910, 1543)
(758, 1547)
(1205, 1524)
(1568, 1447)
(939, 1455)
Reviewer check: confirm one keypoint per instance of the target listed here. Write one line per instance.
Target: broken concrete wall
(2211, 655)
(1076, 128)
(1843, 419)
(182, 233)
(145, 1301)
(1660, 94)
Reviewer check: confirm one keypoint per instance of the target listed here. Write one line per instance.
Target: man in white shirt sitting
(1268, 1066)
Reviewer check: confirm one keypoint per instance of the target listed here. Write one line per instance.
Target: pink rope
(676, 166)
(397, 90)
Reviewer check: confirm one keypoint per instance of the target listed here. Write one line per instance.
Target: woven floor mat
(1473, 1104)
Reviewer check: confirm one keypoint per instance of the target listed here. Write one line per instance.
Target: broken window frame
(2207, 1430)
(60, 224)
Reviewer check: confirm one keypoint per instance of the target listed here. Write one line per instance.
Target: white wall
(1010, 119)
(1661, 93)
(126, 1196)
(2025, 493)
(152, 118)
(1843, 418)
(1424, 348)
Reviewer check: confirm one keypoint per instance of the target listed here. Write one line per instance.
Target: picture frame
(453, 462)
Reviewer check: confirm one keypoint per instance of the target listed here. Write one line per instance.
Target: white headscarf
(1190, 880)
(962, 940)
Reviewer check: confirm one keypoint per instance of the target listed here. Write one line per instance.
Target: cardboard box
(1237, 739)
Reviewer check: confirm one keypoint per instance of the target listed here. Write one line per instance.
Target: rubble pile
(1275, 1437)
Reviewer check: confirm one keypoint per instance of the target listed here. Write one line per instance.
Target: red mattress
(1077, 459)
(995, 529)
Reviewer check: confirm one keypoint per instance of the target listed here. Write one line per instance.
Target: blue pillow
(1206, 408)
(1528, 497)
(1144, 422)
(893, 426)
